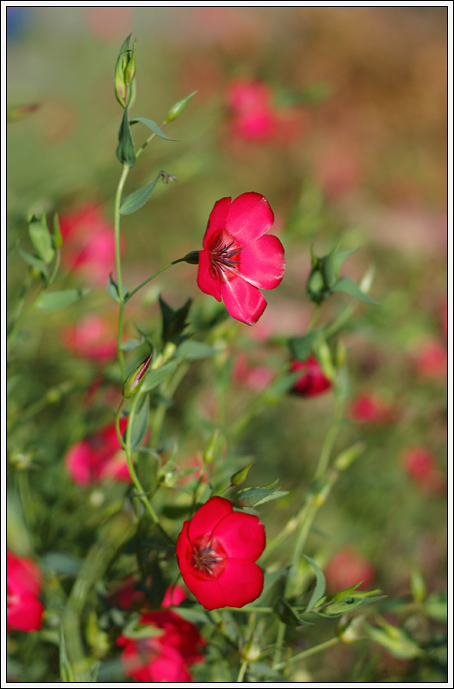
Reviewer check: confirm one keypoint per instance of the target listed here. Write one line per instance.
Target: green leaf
(281, 386)
(62, 564)
(58, 299)
(138, 198)
(287, 614)
(151, 124)
(33, 261)
(320, 584)
(41, 238)
(250, 497)
(349, 286)
(173, 321)
(270, 579)
(125, 150)
(436, 606)
(193, 349)
(178, 108)
(131, 344)
(340, 257)
(112, 289)
(158, 375)
(301, 347)
(194, 616)
(395, 640)
(140, 425)
(66, 670)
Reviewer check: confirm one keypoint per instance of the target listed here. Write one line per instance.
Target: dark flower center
(207, 558)
(224, 250)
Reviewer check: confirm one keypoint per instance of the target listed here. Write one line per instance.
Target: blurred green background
(366, 163)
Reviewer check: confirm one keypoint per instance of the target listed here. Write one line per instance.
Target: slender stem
(309, 652)
(340, 320)
(145, 282)
(314, 318)
(242, 671)
(330, 439)
(20, 319)
(121, 296)
(56, 267)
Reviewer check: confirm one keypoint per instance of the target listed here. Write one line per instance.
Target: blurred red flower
(238, 257)
(216, 553)
(313, 381)
(91, 338)
(371, 409)
(420, 464)
(163, 658)
(97, 457)
(89, 244)
(254, 377)
(432, 360)
(346, 569)
(23, 585)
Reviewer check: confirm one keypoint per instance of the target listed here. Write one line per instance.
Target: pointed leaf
(140, 425)
(33, 261)
(287, 614)
(349, 286)
(138, 198)
(192, 349)
(125, 150)
(58, 299)
(151, 124)
(320, 584)
(340, 257)
(131, 344)
(173, 321)
(301, 347)
(178, 108)
(159, 375)
(41, 237)
(249, 497)
(112, 289)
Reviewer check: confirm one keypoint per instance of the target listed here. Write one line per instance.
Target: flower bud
(211, 447)
(349, 630)
(178, 108)
(251, 653)
(240, 476)
(134, 381)
(125, 70)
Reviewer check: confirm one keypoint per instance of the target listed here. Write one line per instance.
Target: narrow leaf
(159, 375)
(349, 286)
(320, 584)
(138, 198)
(140, 425)
(131, 344)
(125, 150)
(301, 347)
(41, 238)
(287, 614)
(33, 261)
(192, 349)
(58, 299)
(151, 124)
(112, 289)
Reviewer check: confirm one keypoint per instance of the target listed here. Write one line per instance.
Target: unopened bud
(130, 71)
(348, 456)
(240, 476)
(134, 381)
(349, 630)
(178, 108)
(252, 652)
(57, 239)
(211, 447)
(125, 70)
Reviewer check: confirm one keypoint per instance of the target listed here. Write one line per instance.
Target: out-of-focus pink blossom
(97, 457)
(89, 244)
(346, 569)
(23, 585)
(252, 376)
(93, 337)
(420, 464)
(370, 408)
(125, 595)
(337, 171)
(313, 381)
(432, 360)
(163, 658)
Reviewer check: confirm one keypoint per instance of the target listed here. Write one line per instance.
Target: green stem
(20, 319)
(314, 318)
(145, 282)
(330, 439)
(309, 652)
(135, 479)
(121, 296)
(242, 671)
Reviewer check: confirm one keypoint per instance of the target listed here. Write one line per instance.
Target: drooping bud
(134, 381)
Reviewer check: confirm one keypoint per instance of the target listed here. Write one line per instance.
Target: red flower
(421, 465)
(163, 658)
(238, 257)
(346, 569)
(98, 457)
(253, 117)
(254, 377)
(92, 338)
(371, 409)
(23, 586)
(432, 360)
(313, 381)
(216, 553)
(89, 244)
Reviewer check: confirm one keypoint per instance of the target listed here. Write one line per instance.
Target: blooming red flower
(163, 658)
(420, 464)
(23, 585)
(98, 457)
(371, 409)
(313, 381)
(216, 553)
(89, 243)
(346, 569)
(92, 338)
(432, 360)
(238, 257)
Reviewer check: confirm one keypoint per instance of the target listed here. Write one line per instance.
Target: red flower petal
(263, 262)
(208, 592)
(23, 574)
(205, 282)
(217, 219)
(183, 543)
(242, 536)
(243, 301)
(26, 614)
(241, 582)
(208, 517)
(249, 218)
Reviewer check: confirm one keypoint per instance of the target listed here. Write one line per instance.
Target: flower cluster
(23, 585)
(163, 657)
(216, 552)
(97, 457)
(239, 258)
